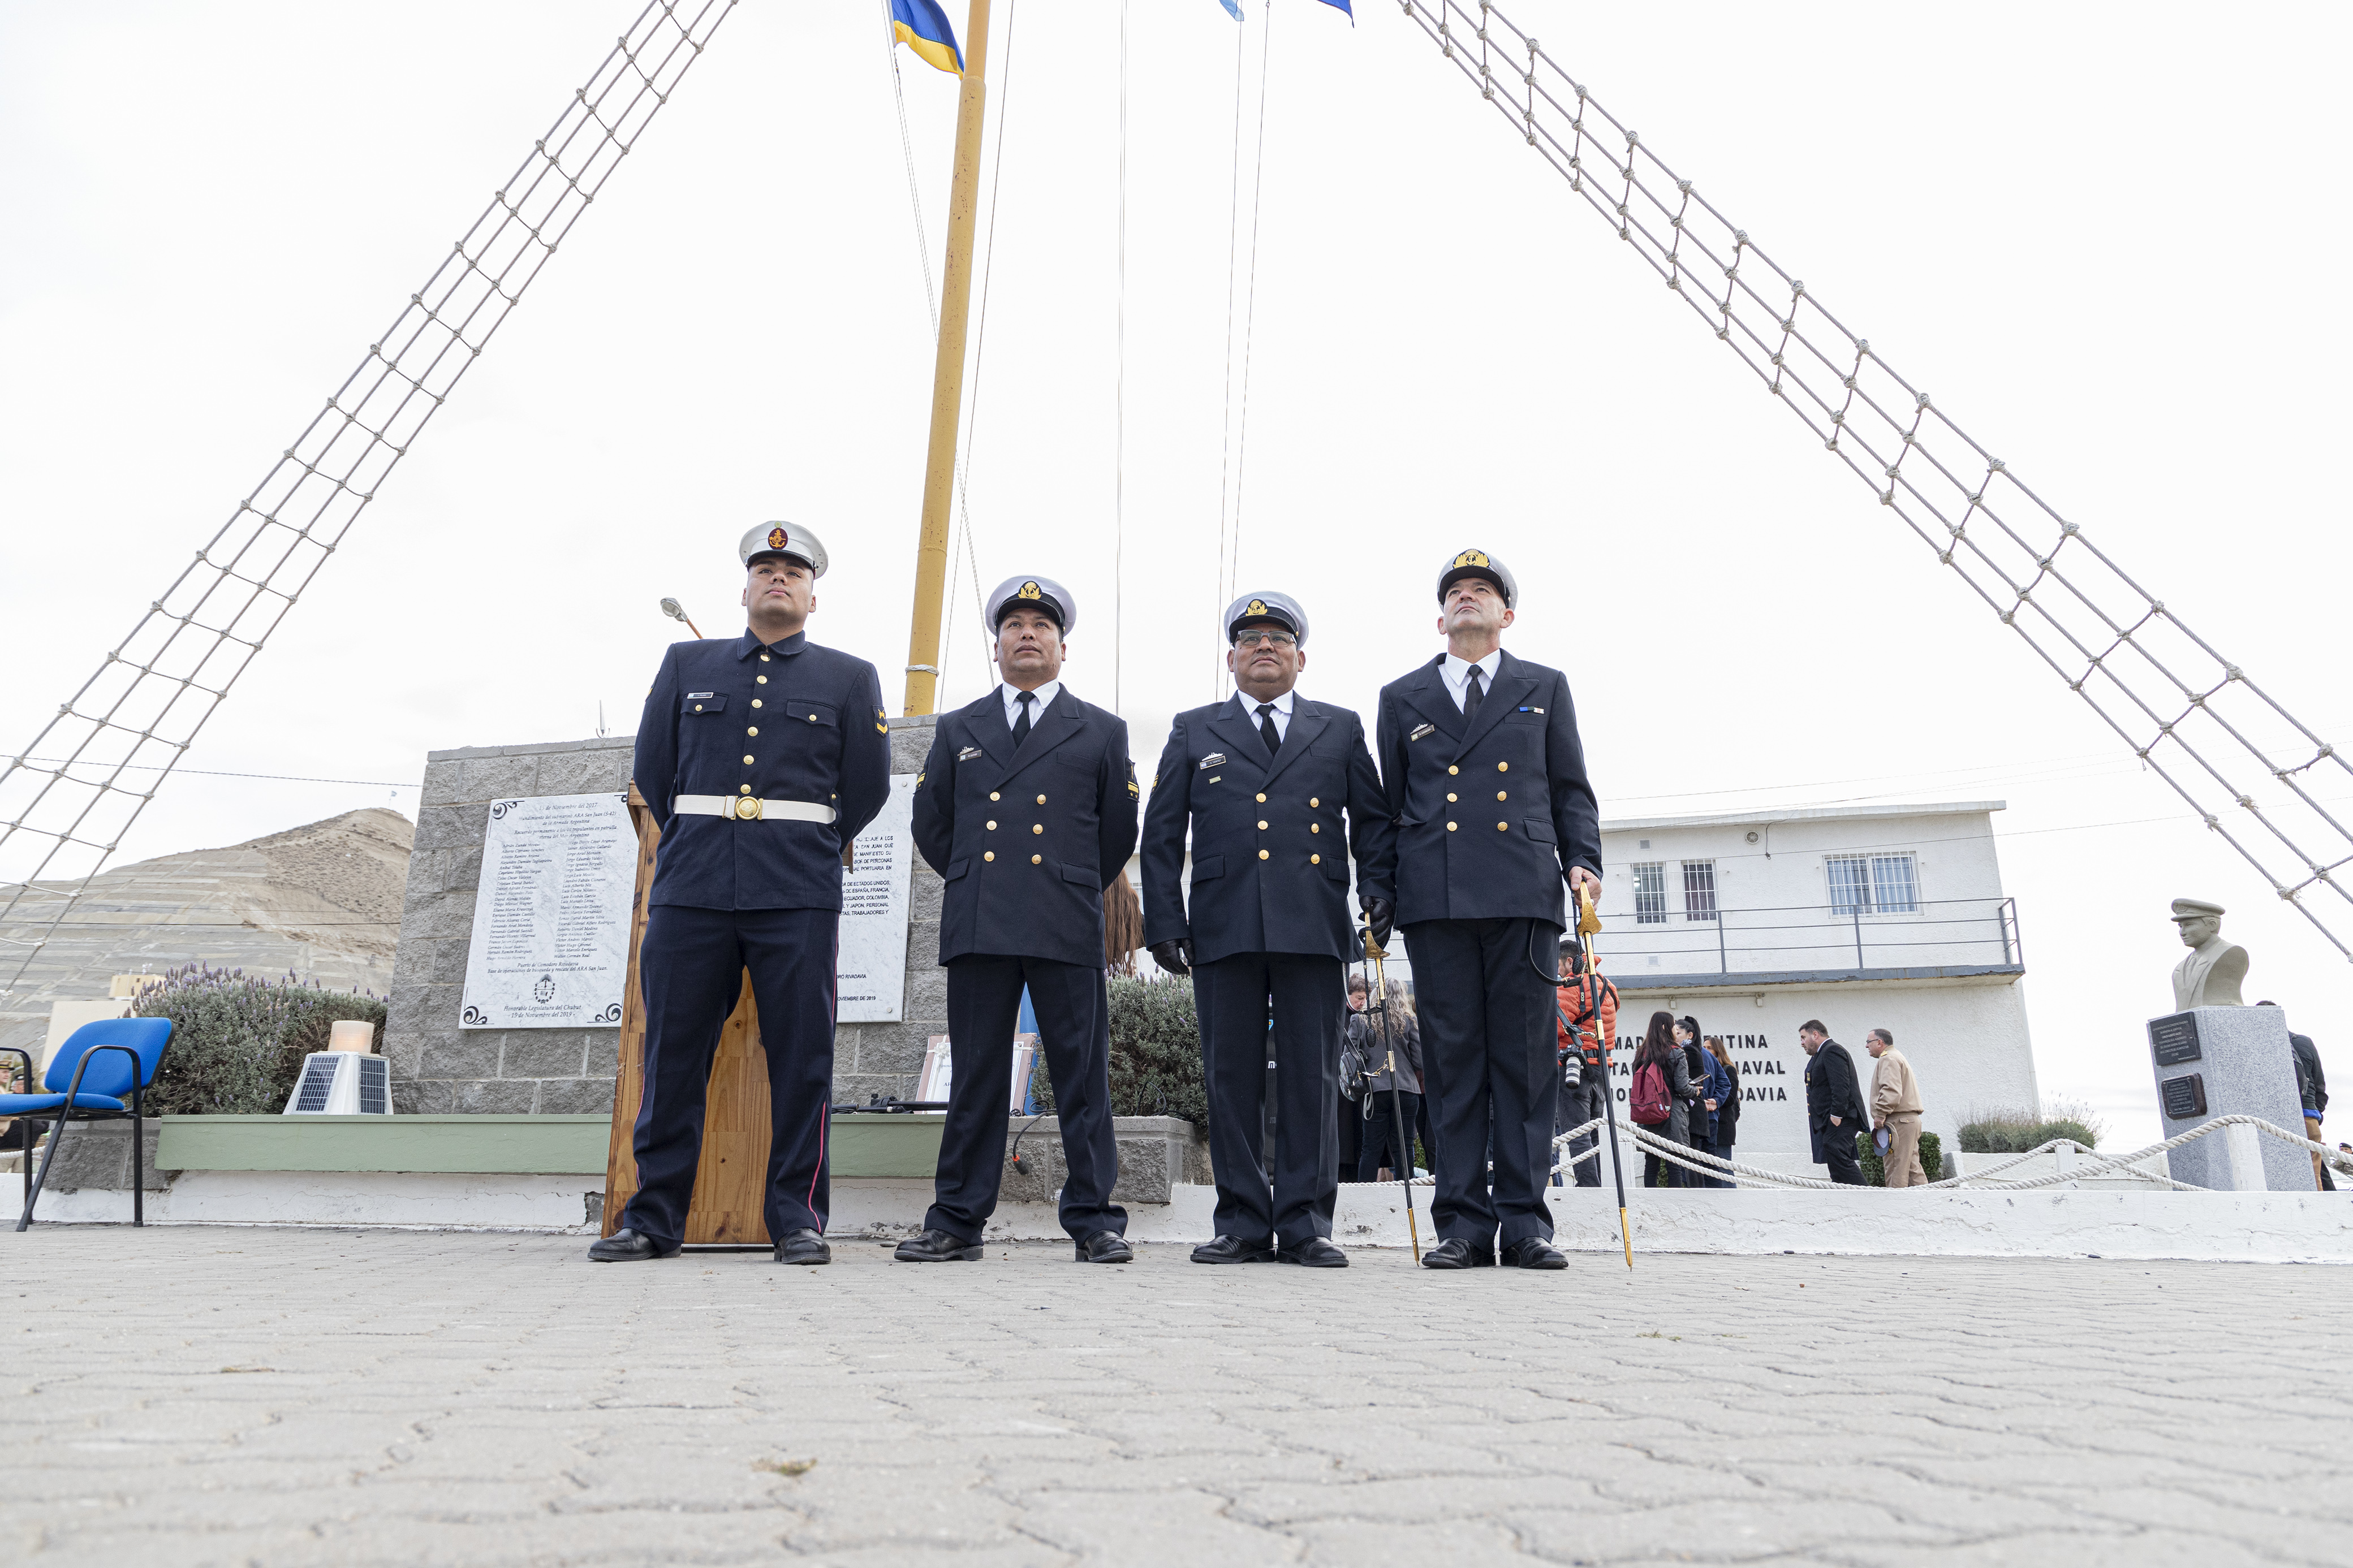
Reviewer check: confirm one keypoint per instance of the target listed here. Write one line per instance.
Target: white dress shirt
(1012, 695)
(1457, 672)
(1249, 705)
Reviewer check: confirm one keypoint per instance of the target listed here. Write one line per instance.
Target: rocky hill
(322, 900)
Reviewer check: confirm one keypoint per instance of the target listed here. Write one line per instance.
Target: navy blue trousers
(692, 968)
(1074, 1034)
(1306, 998)
(1488, 1064)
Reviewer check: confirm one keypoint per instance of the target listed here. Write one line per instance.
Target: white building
(1864, 917)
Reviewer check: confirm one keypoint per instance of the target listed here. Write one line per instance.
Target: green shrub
(2014, 1131)
(1155, 1053)
(1874, 1171)
(238, 1043)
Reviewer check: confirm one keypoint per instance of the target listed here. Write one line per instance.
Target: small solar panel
(375, 1086)
(318, 1080)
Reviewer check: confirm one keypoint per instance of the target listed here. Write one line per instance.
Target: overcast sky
(2099, 233)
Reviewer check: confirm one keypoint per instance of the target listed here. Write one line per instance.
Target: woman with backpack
(1661, 1097)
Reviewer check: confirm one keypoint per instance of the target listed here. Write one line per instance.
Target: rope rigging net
(138, 715)
(2185, 710)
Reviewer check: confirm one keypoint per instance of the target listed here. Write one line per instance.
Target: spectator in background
(1355, 1032)
(2312, 1093)
(1584, 1095)
(1702, 1113)
(1659, 1051)
(1722, 1111)
(1895, 1108)
(1727, 1113)
(1390, 1098)
(1835, 1109)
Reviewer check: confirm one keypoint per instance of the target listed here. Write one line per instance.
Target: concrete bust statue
(2210, 977)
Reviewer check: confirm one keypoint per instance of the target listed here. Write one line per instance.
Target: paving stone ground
(200, 1396)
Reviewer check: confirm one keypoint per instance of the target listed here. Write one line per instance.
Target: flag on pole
(1234, 8)
(1343, 4)
(924, 27)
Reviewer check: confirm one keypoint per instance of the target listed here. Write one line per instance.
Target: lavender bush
(237, 1042)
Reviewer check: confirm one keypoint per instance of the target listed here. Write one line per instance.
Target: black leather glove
(1378, 915)
(1175, 955)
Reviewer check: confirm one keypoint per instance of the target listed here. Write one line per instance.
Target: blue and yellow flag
(924, 27)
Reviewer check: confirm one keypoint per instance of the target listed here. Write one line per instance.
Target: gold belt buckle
(747, 808)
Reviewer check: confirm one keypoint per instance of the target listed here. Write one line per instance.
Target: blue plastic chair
(101, 1074)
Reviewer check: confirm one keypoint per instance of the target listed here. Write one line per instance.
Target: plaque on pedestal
(551, 942)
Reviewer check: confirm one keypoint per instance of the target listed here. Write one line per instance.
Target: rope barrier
(2166, 691)
(2099, 1165)
(149, 698)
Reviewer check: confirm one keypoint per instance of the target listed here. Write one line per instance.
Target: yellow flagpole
(947, 374)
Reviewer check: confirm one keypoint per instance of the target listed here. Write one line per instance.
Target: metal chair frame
(68, 1111)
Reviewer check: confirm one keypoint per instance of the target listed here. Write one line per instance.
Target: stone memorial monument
(2215, 1057)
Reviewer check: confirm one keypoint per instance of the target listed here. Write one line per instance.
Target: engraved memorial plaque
(551, 940)
(2184, 1096)
(2174, 1039)
(871, 963)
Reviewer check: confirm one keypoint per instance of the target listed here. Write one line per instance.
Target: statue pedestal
(2229, 1061)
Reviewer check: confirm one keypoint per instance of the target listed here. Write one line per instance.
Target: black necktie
(1022, 724)
(1266, 727)
(1471, 694)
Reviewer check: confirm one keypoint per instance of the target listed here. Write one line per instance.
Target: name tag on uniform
(699, 696)
(969, 752)
(1530, 710)
(1421, 731)
(1214, 760)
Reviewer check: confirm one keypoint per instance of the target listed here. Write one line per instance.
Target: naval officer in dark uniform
(1258, 778)
(760, 757)
(1027, 808)
(1480, 754)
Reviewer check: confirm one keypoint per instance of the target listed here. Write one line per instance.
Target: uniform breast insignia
(1214, 760)
(1530, 710)
(699, 696)
(1421, 730)
(969, 752)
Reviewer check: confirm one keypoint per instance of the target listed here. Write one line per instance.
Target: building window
(1873, 885)
(1650, 892)
(1699, 889)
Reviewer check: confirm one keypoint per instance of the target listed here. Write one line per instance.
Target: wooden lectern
(729, 1182)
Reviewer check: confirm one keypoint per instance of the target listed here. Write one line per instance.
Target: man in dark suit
(1257, 778)
(1480, 754)
(1027, 806)
(760, 757)
(1834, 1108)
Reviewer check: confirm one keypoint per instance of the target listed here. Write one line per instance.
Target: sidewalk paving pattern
(199, 1396)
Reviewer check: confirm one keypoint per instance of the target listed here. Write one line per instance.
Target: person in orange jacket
(1584, 1095)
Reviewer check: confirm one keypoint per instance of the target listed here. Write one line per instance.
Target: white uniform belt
(743, 809)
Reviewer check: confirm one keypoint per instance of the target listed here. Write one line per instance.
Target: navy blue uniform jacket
(1269, 860)
(1492, 814)
(796, 721)
(1027, 840)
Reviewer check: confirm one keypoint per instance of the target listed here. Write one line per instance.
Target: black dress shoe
(1105, 1247)
(629, 1246)
(1456, 1253)
(1534, 1252)
(1234, 1249)
(803, 1246)
(937, 1246)
(1314, 1253)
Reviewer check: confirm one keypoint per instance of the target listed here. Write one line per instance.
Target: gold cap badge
(778, 538)
(1029, 591)
(1471, 558)
(1257, 607)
